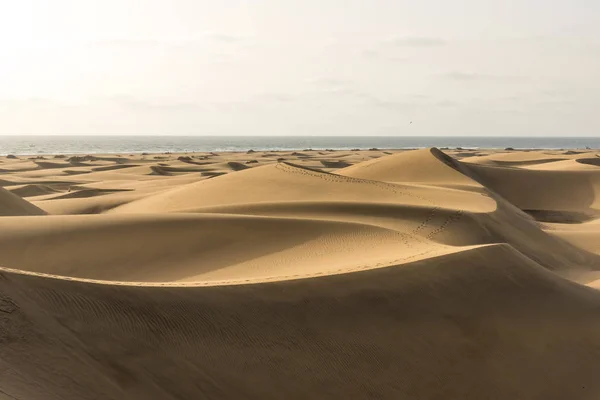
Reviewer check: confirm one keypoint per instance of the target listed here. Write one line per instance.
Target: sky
(300, 67)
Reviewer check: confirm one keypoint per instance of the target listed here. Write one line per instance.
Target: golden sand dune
(32, 190)
(11, 204)
(565, 165)
(485, 323)
(518, 158)
(201, 247)
(580, 188)
(309, 274)
(584, 235)
(289, 182)
(425, 166)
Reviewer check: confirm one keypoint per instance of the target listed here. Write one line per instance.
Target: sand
(311, 274)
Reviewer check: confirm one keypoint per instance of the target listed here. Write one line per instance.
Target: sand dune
(515, 185)
(348, 335)
(424, 166)
(32, 190)
(201, 247)
(11, 204)
(284, 182)
(332, 274)
(517, 158)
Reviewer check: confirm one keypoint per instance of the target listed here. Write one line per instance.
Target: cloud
(158, 105)
(464, 76)
(416, 41)
(513, 98)
(327, 43)
(234, 106)
(384, 55)
(460, 76)
(390, 104)
(276, 97)
(27, 102)
(557, 102)
(223, 37)
(349, 89)
(370, 53)
(329, 82)
(384, 50)
(128, 42)
(375, 100)
(166, 42)
(446, 104)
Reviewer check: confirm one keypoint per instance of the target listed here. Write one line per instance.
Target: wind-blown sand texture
(294, 275)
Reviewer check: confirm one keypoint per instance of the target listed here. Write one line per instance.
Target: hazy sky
(300, 67)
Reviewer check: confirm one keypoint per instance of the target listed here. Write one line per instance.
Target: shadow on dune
(486, 323)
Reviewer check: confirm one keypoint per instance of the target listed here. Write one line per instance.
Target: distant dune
(342, 274)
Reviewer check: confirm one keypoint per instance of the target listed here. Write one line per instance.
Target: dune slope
(165, 248)
(12, 205)
(425, 166)
(477, 324)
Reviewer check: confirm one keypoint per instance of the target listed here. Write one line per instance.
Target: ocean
(31, 145)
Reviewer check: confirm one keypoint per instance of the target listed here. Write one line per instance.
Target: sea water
(181, 144)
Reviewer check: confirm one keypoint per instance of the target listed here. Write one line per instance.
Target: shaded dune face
(342, 335)
(13, 205)
(349, 274)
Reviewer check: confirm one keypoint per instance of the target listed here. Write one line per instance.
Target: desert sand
(423, 274)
